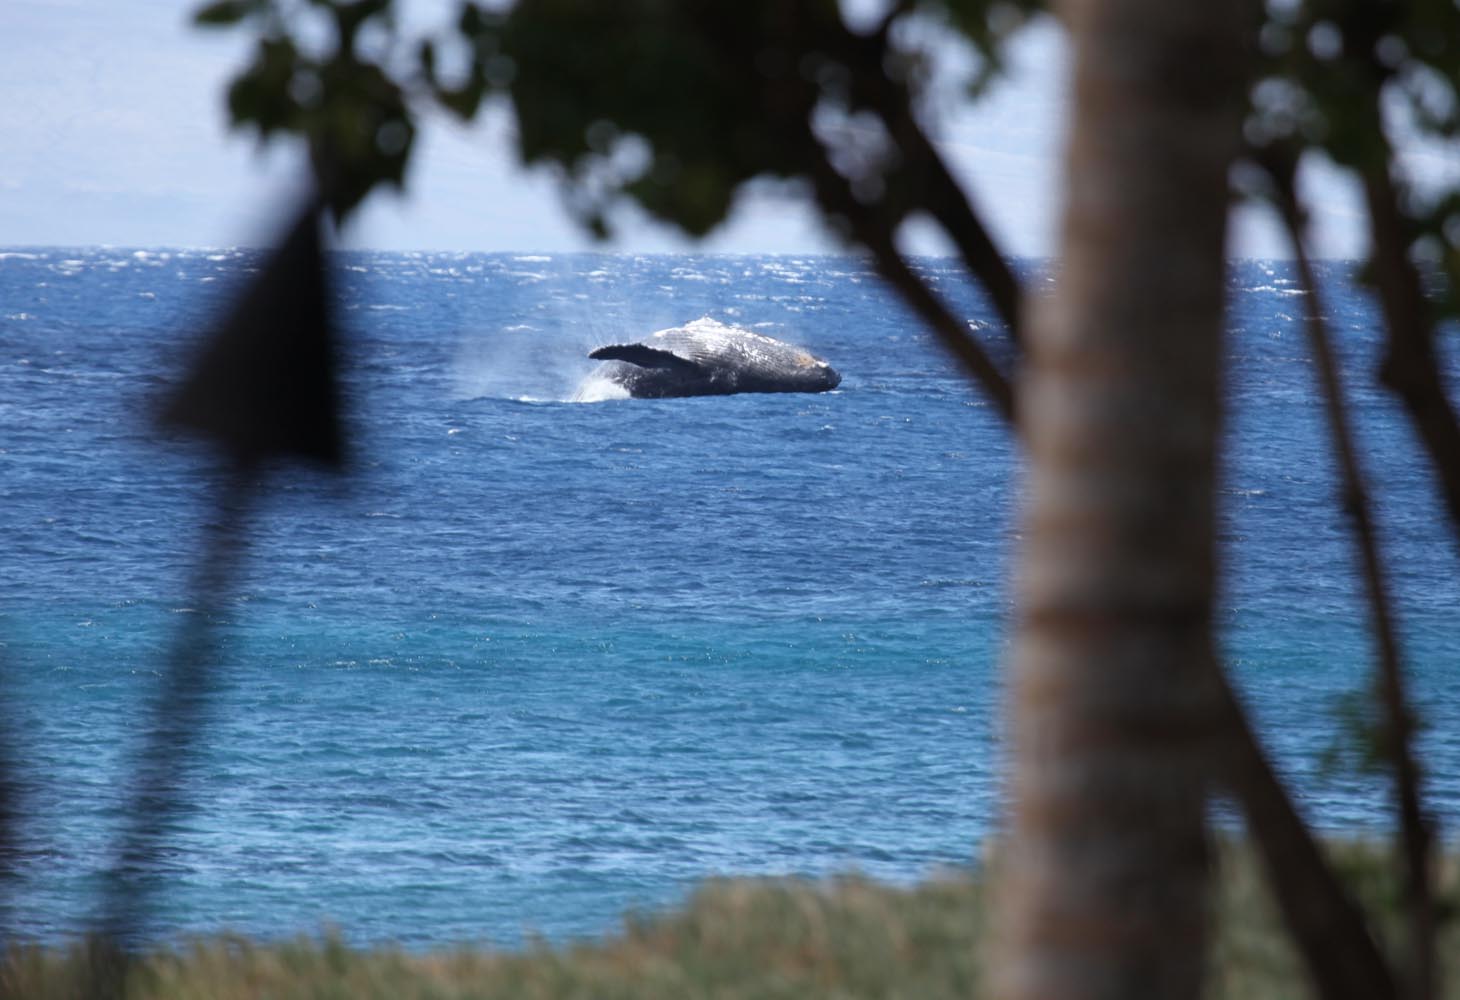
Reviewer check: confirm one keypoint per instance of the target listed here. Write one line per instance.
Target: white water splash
(597, 389)
(541, 353)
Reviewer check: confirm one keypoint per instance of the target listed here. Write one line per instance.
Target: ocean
(533, 663)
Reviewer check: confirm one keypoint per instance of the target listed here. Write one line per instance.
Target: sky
(115, 133)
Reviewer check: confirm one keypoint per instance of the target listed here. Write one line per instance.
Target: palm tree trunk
(1103, 880)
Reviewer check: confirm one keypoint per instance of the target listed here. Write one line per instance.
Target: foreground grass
(737, 938)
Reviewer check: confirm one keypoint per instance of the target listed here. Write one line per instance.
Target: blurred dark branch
(176, 719)
(1327, 925)
(1410, 367)
(789, 110)
(939, 194)
(1398, 742)
(875, 231)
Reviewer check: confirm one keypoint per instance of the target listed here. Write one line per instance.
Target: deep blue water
(534, 661)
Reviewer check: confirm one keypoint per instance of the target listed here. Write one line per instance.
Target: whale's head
(830, 377)
(814, 374)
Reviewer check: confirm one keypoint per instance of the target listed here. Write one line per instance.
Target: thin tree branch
(930, 181)
(790, 110)
(177, 716)
(876, 234)
(159, 769)
(1415, 832)
(1326, 924)
(1410, 368)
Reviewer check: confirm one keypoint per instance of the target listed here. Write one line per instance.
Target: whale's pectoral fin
(645, 357)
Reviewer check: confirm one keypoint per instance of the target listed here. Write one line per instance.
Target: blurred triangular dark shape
(264, 384)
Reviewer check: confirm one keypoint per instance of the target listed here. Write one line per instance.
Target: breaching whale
(710, 358)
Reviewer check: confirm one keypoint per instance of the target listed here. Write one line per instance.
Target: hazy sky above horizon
(116, 134)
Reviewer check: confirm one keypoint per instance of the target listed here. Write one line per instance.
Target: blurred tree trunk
(1103, 880)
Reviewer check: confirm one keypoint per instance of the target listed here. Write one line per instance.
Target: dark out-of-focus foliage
(264, 385)
(677, 104)
(680, 104)
(1344, 77)
(689, 79)
(319, 71)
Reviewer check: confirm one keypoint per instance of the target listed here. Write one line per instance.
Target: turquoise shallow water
(536, 661)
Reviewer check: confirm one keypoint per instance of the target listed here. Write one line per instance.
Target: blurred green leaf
(261, 96)
(472, 20)
(224, 12)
